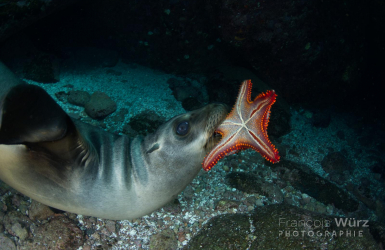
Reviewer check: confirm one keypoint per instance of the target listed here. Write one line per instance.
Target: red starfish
(245, 127)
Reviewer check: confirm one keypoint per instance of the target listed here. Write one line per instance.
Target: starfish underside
(245, 127)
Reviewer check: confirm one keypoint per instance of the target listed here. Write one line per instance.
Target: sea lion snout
(214, 113)
(186, 138)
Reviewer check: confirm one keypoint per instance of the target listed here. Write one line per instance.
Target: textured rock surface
(78, 97)
(223, 232)
(270, 234)
(336, 162)
(39, 211)
(164, 240)
(17, 224)
(100, 105)
(317, 187)
(268, 231)
(6, 243)
(146, 122)
(59, 233)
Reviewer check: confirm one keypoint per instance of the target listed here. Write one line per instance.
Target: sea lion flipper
(28, 114)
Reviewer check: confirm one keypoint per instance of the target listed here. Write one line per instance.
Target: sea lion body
(82, 169)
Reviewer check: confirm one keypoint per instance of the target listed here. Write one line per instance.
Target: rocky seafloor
(326, 172)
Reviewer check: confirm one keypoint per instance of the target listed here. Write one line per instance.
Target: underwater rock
(62, 96)
(119, 116)
(252, 183)
(190, 91)
(245, 182)
(271, 225)
(20, 231)
(273, 192)
(6, 243)
(129, 131)
(228, 231)
(377, 229)
(39, 211)
(78, 97)
(363, 193)
(173, 207)
(279, 124)
(379, 168)
(224, 205)
(336, 163)
(100, 105)
(3, 188)
(164, 240)
(59, 233)
(317, 187)
(188, 192)
(146, 122)
(111, 226)
(17, 224)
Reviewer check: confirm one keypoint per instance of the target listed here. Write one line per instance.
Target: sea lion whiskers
(215, 118)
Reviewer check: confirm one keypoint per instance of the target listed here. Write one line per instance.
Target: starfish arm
(263, 146)
(242, 105)
(226, 146)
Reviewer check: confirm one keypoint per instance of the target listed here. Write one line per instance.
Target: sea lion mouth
(215, 118)
(212, 141)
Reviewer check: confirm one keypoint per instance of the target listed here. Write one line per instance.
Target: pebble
(100, 105)
(6, 243)
(39, 211)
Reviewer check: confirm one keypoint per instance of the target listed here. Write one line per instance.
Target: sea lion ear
(29, 114)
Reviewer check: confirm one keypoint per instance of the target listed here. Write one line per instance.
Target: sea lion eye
(182, 128)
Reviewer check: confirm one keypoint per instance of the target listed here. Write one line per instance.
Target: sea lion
(82, 169)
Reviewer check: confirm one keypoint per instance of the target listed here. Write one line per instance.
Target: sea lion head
(177, 148)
